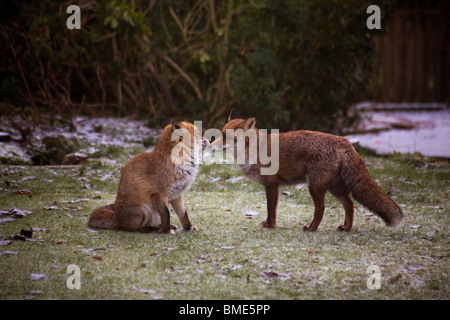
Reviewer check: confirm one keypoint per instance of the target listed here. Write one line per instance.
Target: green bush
(293, 64)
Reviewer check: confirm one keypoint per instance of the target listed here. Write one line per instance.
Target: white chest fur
(187, 175)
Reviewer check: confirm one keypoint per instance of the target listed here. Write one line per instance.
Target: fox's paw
(308, 228)
(191, 228)
(343, 228)
(265, 224)
(173, 227)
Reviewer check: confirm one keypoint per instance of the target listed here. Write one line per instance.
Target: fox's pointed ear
(234, 114)
(248, 124)
(176, 124)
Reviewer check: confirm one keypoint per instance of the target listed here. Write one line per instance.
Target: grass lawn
(230, 256)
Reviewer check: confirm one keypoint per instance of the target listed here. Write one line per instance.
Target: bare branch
(185, 76)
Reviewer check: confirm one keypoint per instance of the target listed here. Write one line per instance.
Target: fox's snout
(217, 145)
(205, 143)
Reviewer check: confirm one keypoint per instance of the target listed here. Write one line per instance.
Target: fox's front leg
(272, 192)
(180, 209)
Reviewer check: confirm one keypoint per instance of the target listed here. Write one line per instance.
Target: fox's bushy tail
(366, 191)
(104, 218)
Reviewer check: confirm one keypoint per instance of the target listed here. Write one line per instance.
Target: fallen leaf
(95, 249)
(76, 200)
(28, 178)
(43, 229)
(98, 258)
(26, 233)
(73, 208)
(250, 213)
(146, 291)
(414, 268)
(51, 208)
(4, 220)
(16, 212)
(38, 276)
(395, 278)
(34, 292)
(272, 274)
(23, 192)
(179, 282)
(12, 183)
(4, 242)
(23, 235)
(8, 252)
(154, 254)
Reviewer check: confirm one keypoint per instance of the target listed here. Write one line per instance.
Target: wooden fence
(415, 54)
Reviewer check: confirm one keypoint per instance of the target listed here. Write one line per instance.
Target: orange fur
(150, 182)
(326, 163)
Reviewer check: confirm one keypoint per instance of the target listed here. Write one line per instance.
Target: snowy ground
(429, 135)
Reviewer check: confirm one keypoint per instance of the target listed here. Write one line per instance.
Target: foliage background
(293, 64)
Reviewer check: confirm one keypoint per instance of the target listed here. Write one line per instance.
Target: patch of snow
(430, 135)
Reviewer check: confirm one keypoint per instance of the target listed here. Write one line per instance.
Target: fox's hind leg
(338, 189)
(317, 192)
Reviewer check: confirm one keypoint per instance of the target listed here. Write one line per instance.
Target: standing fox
(324, 161)
(150, 181)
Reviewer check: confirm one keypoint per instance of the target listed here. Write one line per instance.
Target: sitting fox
(325, 162)
(153, 180)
